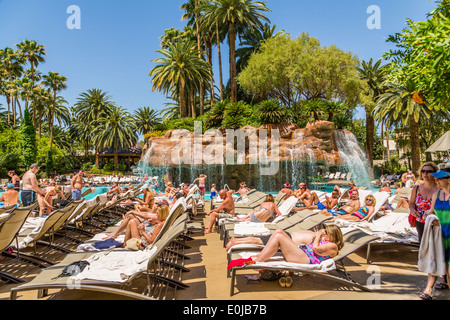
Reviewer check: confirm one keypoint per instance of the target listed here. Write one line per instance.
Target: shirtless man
(408, 179)
(30, 186)
(287, 189)
(15, 180)
(201, 184)
(351, 206)
(225, 210)
(303, 194)
(10, 197)
(77, 185)
(243, 189)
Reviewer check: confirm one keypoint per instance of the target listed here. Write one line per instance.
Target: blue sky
(116, 44)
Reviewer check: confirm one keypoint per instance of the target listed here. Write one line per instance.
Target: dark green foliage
(28, 145)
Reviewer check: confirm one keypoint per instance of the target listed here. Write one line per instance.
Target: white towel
(251, 228)
(115, 266)
(431, 253)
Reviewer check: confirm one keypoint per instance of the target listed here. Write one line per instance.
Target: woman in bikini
(306, 248)
(422, 195)
(267, 211)
(46, 201)
(364, 213)
(201, 184)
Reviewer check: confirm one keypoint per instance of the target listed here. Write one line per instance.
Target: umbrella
(442, 145)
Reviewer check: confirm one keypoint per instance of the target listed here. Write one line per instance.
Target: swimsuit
(313, 257)
(442, 210)
(256, 220)
(337, 213)
(320, 206)
(423, 206)
(361, 213)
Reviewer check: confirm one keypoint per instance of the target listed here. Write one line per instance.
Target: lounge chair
(158, 263)
(352, 242)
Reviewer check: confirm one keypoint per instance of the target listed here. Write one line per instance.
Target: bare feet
(207, 230)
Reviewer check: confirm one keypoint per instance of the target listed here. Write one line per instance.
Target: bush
(121, 167)
(235, 115)
(271, 112)
(87, 166)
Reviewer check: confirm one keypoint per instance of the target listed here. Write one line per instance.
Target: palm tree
(374, 75)
(90, 107)
(179, 67)
(244, 14)
(251, 42)
(145, 119)
(34, 53)
(403, 103)
(115, 130)
(55, 83)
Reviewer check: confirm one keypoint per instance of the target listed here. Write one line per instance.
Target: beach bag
(268, 275)
(412, 221)
(134, 244)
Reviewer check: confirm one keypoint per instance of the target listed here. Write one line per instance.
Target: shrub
(235, 115)
(271, 112)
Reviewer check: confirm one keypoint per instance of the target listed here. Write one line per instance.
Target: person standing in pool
(77, 185)
(15, 180)
(30, 186)
(10, 197)
(201, 184)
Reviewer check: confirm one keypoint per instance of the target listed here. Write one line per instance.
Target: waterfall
(354, 160)
(143, 166)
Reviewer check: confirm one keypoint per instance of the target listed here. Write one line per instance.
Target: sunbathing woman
(147, 203)
(137, 230)
(306, 248)
(363, 214)
(267, 211)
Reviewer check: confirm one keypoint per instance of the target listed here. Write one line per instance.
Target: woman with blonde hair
(137, 230)
(268, 210)
(46, 200)
(305, 247)
(420, 202)
(364, 213)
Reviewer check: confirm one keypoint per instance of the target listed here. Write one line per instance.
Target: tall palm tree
(145, 119)
(236, 14)
(374, 74)
(55, 83)
(179, 67)
(12, 62)
(403, 103)
(90, 107)
(34, 53)
(115, 130)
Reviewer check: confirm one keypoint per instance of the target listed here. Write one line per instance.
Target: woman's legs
(430, 284)
(42, 206)
(281, 241)
(132, 230)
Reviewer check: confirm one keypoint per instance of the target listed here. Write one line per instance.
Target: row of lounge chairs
(338, 176)
(162, 263)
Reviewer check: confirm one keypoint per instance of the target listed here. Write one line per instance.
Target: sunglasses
(428, 171)
(369, 200)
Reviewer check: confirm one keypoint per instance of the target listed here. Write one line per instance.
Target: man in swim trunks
(303, 195)
(225, 210)
(30, 186)
(328, 204)
(351, 206)
(77, 185)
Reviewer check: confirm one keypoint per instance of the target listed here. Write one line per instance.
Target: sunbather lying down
(303, 247)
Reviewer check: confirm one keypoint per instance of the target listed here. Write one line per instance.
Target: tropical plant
(374, 74)
(115, 130)
(235, 115)
(398, 103)
(179, 69)
(145, 119)
(238, 15)
(28, 134)
(271, 112)
(55, 83)
(90, 107)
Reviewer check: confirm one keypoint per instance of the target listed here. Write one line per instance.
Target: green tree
(145, 119)
(28, 134)
(237, 14)
(115, 130)
(271, 112)
(299, 70)
(374, 74)
(90, 107)
(55, 83)
(179, 68)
